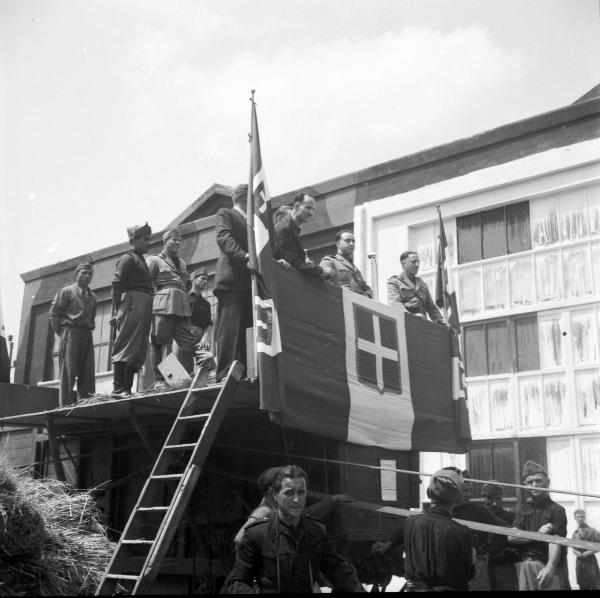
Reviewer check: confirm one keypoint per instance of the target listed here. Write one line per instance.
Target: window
(502, 460)
(502, 346)
(493, 233)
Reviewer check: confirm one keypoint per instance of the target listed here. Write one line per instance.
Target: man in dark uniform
(439, 551)
(132, 304)
(170, 307)
(290, 252)
(286, 552)
(409, 292)
(340, 268)
(543, 565)
(201, 320)
(502, 571)
(232, 282)
(73, 315)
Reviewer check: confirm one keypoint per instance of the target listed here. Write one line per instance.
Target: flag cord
(407, 471)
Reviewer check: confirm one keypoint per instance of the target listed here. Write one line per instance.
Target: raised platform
(107, 414)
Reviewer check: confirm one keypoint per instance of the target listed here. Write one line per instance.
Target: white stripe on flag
(274, 347)
(377, 418)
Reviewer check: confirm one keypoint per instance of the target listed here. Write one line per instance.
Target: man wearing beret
(439, 551)
(543, 565)
(132, 305)
(73, 315)
(233, 287)
(502, 572)
(170, 307)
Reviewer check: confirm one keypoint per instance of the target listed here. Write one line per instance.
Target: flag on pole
(4, 359)
(445, 298)
(264, 290)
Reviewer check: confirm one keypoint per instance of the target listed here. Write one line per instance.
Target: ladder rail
(173, 513)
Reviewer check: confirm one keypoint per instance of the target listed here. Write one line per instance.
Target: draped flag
(445, 298)
(264, 290)
(4, 359)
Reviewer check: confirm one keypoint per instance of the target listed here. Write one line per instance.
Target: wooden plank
(55, 451)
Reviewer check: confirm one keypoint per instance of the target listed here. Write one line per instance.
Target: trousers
(76, 360)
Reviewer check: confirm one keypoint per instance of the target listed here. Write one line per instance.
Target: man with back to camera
(439, 551)
(543, 565)
(409, 292)
(132, 305)
(290, 252)
(233, 287)
(340, 268)
(286, 552)
(73, 317)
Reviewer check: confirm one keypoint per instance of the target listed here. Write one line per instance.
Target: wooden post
(55, 451)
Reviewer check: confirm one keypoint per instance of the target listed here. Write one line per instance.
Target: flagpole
(251, 240)
(443, 270)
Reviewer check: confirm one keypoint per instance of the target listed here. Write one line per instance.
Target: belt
(162, 287)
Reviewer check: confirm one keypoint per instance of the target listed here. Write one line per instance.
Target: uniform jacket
(232, 274)
(131, 274)
(345, 274)
(412, 297)
(73, 306)
(169, 282)
(289, 248)
(298, 553)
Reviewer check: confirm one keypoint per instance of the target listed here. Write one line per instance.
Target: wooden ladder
(150, 511)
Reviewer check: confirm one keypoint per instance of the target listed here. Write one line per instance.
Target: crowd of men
(155, 301)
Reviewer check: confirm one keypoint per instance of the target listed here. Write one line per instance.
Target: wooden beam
(55, 451)
(142, 432)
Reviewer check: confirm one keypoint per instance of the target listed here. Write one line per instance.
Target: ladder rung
(189, 418)
(170, 476)
(180, 446)
(153, 508)
(137, 541)
(120, 576)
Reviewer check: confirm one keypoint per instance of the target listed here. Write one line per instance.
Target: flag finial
(252, 92)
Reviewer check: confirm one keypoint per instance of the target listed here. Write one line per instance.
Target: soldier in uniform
(201, 320)
(132, 304)
(170, 307)
(286, 552)
(409, 292)
(72, 315)
(340, 268)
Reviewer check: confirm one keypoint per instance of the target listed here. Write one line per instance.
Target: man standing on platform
(73, 315)
(201, 320)
(290, 252)
(340, 268)
(233, 287)
(543, 565)
(170, 307)
(132, 304)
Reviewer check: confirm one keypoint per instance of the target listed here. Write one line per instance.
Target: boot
(119, 374)
(156, 356)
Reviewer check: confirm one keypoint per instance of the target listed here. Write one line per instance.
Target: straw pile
(51, 541)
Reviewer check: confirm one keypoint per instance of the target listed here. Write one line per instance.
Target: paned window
(584, 337)
(493, 233)
(550, 341)
(479, 412)
(554, 400)
(547, 276)
(530, 401)
(520, 275)
(587, 388)
(501, 413)
(576, 272)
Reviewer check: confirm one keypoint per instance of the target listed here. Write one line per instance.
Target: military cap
(137, 231)
(198, 272)
(532, 468)
(173, 233)
(491, 489)
(446, 484)
(84, 266)
(239, 191)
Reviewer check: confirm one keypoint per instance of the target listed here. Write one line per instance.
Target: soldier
(72, 315)
(170, 307)
(340, 268)
(286, 552)
(409, 292)
(132, 304)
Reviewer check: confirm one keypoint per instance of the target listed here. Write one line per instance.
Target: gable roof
(215, 197)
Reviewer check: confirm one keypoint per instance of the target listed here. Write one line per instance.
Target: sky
(114, 112)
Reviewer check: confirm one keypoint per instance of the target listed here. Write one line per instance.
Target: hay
(51, 540)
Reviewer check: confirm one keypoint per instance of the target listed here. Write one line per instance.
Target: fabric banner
(363, 372)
